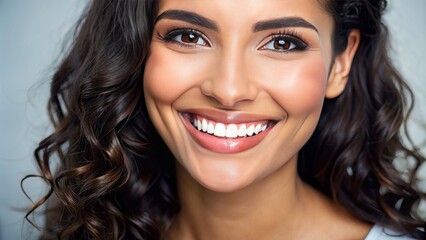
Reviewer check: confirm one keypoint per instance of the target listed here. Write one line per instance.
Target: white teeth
(242, 130)
(220, 130)
(229, 131)
(198, 125)
(210, 128)
(232, 131)
(204, 125)
(257, 128)
(250, 130)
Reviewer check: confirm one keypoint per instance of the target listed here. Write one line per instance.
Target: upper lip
(228, 117)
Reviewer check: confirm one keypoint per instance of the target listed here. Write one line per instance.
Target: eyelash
(289, 36)
(170, 36)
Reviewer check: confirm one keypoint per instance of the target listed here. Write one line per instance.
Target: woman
(229, 120)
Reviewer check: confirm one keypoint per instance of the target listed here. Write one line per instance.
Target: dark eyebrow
(189, 17)
(283, 23)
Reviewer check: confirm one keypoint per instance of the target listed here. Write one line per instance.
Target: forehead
(239, 13)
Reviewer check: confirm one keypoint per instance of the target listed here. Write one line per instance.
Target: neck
(273, 203)
(279, 206)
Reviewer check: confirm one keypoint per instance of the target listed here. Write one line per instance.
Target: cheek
(298, 86)
(169, 74)
(161, 80)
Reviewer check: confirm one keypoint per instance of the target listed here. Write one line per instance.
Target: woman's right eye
(186, 37)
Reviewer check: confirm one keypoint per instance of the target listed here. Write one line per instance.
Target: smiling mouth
(232, 135)
(232, 130)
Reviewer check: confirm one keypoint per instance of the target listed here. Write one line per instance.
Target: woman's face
(235, 88)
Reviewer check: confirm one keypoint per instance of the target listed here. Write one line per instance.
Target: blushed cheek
(158, 77)
(299, 87)
(169, 74)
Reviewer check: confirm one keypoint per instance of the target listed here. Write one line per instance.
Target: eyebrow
(189, 17)
(199, 20)
(283, 23)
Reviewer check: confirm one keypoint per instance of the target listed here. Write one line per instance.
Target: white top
(381, 233)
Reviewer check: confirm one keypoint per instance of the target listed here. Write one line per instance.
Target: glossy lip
(222, 144)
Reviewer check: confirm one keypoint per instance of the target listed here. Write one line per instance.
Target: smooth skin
(231, 66)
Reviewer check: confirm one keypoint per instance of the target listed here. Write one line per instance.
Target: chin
(223, 185)
(226, 177)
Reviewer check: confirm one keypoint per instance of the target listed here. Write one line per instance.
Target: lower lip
(224, 145)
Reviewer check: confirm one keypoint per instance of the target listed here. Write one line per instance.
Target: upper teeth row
(230, 130)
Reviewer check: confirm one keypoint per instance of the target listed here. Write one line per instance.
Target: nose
(230, 81)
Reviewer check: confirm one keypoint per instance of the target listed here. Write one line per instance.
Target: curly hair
(115, 178)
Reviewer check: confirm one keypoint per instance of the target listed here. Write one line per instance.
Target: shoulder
(381, 233)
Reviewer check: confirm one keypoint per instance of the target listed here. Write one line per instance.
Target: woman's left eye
(284, 44)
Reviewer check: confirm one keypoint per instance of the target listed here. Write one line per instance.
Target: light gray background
(31, 36)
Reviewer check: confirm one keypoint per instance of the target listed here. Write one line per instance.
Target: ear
(338, 76)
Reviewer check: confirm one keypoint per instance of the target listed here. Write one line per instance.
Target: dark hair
(115, 177)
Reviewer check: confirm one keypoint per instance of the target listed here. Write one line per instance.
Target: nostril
(229, 93)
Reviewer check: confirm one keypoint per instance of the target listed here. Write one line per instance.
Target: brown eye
(186, 37)
(280, 44)
(189, 38)
(283, 44)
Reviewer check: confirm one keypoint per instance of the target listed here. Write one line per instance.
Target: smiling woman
(239, 119)
(238, 74)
